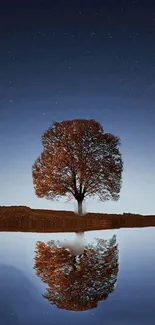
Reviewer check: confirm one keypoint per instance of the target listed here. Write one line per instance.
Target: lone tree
(78, 160)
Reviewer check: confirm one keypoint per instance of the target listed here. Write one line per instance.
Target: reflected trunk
(80, 248)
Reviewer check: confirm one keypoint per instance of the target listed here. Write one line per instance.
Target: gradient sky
(77, 59)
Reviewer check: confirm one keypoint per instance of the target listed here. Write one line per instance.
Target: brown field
(22, 218)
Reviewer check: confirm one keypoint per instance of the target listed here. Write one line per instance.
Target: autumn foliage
(77, 287)
(78, 160)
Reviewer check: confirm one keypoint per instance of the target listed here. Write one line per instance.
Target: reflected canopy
(79, 286)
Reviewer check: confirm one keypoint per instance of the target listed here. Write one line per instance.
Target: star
(110, 36)
(92, 34)
(152, 85)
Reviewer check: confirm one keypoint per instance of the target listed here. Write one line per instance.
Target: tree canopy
(78, 160)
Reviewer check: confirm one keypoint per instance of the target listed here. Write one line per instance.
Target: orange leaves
(77, 286)
(78, 155)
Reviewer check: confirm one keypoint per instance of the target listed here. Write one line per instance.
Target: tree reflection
(82, 285)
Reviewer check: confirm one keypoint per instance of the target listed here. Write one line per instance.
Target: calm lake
(129, 290)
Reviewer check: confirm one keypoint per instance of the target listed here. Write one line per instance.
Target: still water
(125, 296)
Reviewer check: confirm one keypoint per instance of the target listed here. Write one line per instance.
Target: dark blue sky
(77, 59)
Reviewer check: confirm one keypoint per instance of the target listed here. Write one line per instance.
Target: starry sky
(77, 59)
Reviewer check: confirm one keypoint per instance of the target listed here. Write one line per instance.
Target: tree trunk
(80, 208)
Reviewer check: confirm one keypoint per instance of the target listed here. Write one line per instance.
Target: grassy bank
(19, 218)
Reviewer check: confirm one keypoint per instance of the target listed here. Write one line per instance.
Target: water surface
(131, 302)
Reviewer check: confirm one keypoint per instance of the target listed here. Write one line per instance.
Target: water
(132, 300)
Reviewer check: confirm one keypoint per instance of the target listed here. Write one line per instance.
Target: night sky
(77, 59)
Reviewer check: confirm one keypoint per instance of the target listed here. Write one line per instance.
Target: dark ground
(22, 218)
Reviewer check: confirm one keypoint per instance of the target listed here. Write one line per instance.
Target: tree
(81, 287)
(78, 160)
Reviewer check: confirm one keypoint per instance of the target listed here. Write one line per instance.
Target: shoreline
(25, 219)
